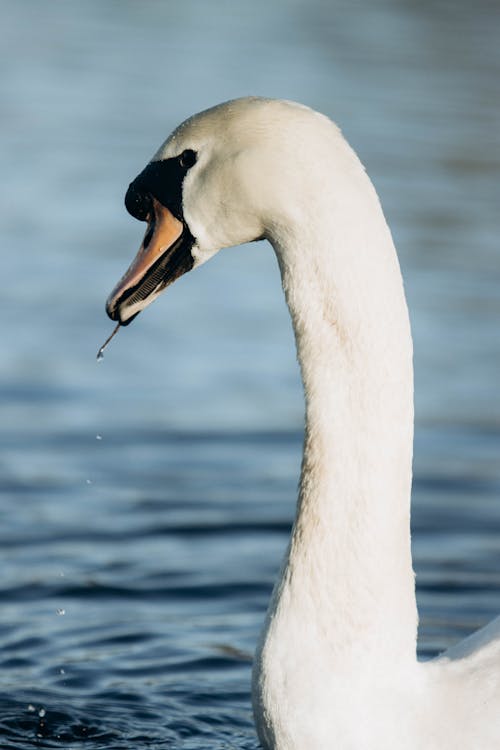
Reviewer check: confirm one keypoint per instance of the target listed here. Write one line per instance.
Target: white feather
(336, 666)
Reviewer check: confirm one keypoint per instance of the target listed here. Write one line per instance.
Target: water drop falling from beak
(100, 353)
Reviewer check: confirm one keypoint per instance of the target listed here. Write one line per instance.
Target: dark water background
(145, 501)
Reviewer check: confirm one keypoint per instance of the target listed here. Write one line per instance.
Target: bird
(336, 665)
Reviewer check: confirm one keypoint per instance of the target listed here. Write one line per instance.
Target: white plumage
(336, 667)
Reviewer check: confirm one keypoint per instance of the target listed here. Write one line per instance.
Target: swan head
(225, 176)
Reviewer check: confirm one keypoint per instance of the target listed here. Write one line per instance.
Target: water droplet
(100, 353)
(31, 707)
(98, 437)
(62, 671)
(61, 612)
(42, 713)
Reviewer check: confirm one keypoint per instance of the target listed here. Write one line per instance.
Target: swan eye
(187, 158)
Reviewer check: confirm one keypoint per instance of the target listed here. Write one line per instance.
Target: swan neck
(348, 573)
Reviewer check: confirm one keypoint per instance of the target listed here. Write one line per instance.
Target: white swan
(336, 668)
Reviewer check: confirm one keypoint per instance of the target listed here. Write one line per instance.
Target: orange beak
(163, 256)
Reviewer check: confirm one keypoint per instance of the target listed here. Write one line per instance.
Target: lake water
(146, 501)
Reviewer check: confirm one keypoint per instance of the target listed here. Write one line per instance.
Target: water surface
(146, 500)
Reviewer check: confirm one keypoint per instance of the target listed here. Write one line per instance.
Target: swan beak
(165, 254)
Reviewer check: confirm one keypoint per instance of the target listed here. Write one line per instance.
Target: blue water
(146, 501)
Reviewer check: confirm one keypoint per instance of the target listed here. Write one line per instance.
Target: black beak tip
(112, 311)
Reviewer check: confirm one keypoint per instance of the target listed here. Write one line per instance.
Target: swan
(336, 666)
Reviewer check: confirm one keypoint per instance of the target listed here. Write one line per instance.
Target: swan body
(336, 665)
